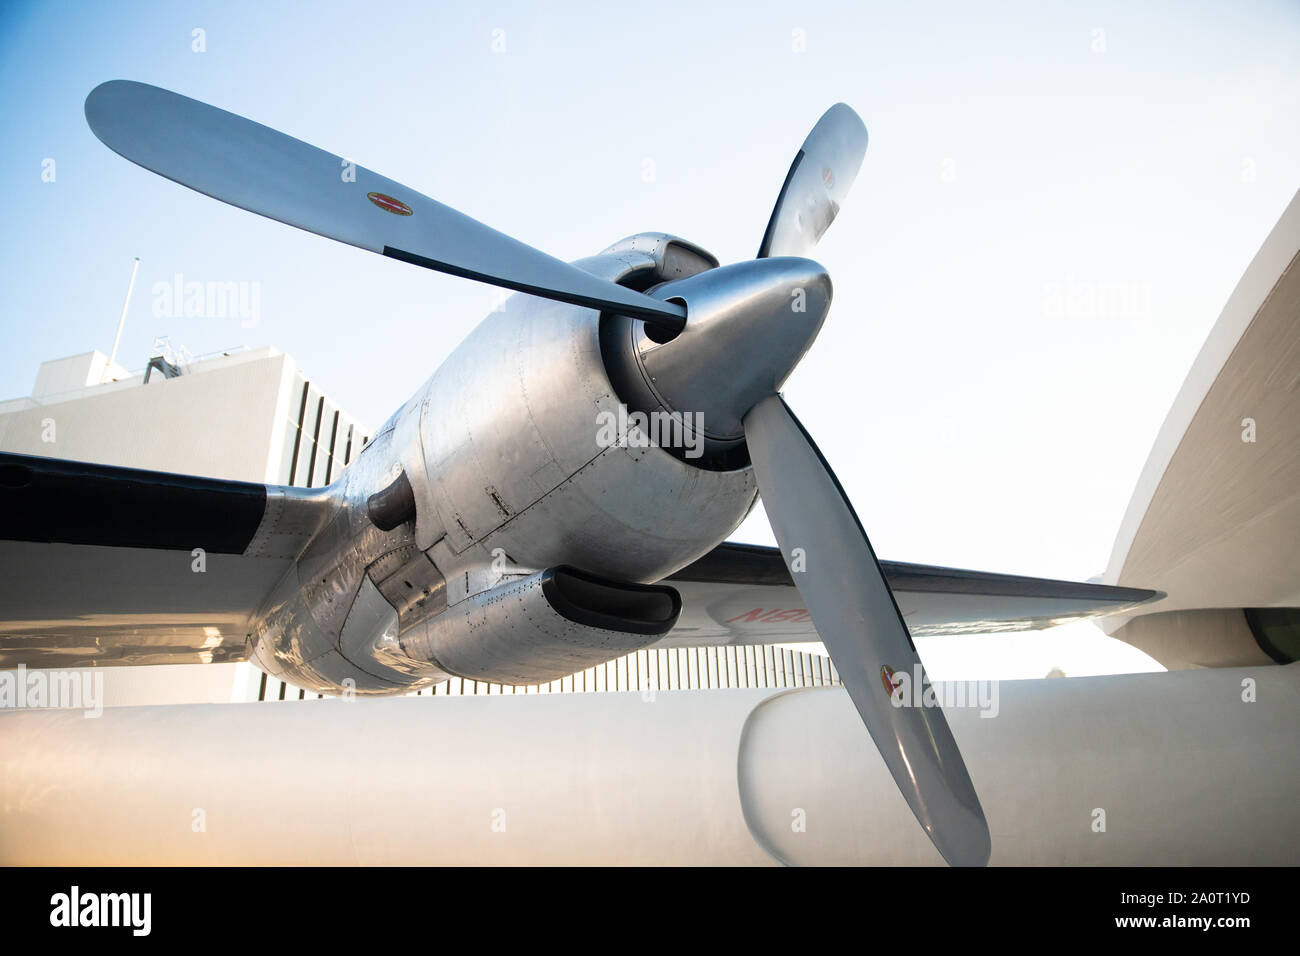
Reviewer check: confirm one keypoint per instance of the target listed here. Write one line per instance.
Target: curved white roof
(1215, 518)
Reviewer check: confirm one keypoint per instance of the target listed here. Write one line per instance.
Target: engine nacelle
(543, 627)
(501, 465)
(506, 447)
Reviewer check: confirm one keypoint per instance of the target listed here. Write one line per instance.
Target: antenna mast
(117, 339)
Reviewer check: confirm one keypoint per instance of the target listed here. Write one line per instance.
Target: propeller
(254, 167)
(742, 320)
(839, 578)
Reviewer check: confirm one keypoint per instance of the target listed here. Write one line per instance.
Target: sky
(1057, 200)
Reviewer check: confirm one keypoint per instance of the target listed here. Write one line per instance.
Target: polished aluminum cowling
(504, 448)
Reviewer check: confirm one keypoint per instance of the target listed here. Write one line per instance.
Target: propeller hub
(748, 325)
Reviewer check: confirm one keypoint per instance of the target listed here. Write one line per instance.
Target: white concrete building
(245, 414)
(1215, 518)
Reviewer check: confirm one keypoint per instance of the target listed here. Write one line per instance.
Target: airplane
(496, 527)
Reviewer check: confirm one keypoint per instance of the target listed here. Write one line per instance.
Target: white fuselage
(1179, 768)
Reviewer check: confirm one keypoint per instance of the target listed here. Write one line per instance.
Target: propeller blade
(855, 615)
(254, 167)
(819, 178)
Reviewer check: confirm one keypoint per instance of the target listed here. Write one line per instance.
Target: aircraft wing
(744, 594)
(98, 564)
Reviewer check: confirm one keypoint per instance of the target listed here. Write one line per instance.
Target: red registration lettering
(774, 616)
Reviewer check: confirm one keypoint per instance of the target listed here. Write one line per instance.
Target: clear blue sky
(1019, 153)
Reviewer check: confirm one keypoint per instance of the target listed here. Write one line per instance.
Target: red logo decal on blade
(828, 177)
(887, 678)
(389, 204)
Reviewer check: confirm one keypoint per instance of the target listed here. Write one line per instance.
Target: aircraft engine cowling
(522, 443)
(545, 626)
